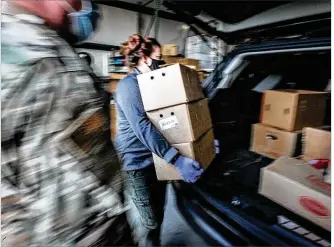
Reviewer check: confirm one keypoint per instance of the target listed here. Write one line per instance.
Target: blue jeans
(148, 195)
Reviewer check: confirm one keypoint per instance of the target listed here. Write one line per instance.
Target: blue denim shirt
(136, 136)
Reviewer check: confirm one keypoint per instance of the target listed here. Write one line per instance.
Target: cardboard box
(299, 188)
(171, 59)
(113, 133)
(114, 80)
(316, 144)
(273, 143)
(113, 121)
(192, 63)
(168, 86)
(327, 177)
(293, 109)
(170, 50)
(169, 64)
(201, 150)
(113, 111)
(182, 123)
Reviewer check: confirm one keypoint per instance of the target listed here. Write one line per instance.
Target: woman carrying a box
(137, 139)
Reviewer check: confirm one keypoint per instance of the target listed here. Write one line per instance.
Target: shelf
(95, 46)
(111, 64)
(118, 71)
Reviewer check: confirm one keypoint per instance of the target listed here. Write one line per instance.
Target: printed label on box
(168, 123)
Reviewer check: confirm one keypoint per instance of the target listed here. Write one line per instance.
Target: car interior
(235, 173)
(236, 108)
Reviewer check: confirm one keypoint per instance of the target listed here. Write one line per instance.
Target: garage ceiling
(133, 5)
(150, 4)
(227, 11)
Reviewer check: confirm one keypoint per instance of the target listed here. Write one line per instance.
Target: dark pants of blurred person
(148, 195)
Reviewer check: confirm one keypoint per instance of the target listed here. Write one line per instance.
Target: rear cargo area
(235, 109)
(234, 176)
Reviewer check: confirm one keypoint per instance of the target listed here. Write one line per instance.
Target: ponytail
(136, 47)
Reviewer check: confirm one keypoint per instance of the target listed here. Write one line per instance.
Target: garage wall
(99, 61)
(117, 24)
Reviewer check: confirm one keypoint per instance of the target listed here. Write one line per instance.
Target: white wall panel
(117, 24)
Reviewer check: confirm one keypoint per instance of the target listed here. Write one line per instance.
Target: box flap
(299, 172)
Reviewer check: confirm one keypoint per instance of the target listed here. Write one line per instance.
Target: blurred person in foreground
(86, 57)
(137, 138)
(59, 169)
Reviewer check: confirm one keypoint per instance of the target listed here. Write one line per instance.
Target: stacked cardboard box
(284, 114)
(175, 104)
(317, 145)
(114, 80)
(290, 117)
(298, 186)
(113, 120)
(170, 50)
(170, 56)
(191, 63)
(171, 59)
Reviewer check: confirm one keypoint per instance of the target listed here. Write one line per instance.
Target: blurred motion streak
(61, 183)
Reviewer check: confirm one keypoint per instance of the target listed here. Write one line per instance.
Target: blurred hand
(189, 169)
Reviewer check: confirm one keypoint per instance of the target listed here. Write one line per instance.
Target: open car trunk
(227, 193)
(236, 108)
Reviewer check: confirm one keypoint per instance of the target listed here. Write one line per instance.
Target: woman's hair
(153, 41)
(136, 47)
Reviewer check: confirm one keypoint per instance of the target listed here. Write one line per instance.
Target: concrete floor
(175, 230)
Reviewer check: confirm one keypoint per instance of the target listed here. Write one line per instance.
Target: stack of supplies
(291, 126)
(174, 102)
(170, 50)
(170, 54)
(297, 184)
(284, 114)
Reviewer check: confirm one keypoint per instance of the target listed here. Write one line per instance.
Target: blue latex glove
(216, 142)
(188, 169)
